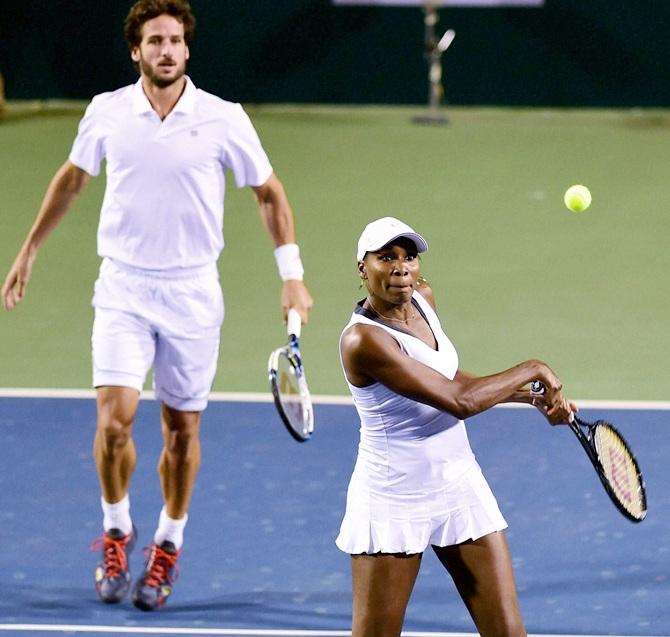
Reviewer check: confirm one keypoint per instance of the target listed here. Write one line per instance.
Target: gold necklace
(388, 318)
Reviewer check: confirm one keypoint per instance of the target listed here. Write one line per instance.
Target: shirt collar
(185, 104)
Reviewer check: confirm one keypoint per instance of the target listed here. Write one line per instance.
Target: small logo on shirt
(194, 133)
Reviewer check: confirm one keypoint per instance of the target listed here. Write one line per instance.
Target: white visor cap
(382, 231)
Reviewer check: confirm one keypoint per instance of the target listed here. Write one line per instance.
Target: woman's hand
(558, 411)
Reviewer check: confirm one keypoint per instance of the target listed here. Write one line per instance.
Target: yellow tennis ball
(577, 198)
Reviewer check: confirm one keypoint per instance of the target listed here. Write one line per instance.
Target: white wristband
(288, 262)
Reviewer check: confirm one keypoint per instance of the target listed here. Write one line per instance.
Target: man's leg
(178, 467)
(180, 459)
(113, 447)
(187, 346)
(115, 458)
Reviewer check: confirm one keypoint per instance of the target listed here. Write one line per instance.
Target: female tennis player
(416, 482)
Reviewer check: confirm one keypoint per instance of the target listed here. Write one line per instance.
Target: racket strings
(291, 395)
(289, 387)
(620, 469)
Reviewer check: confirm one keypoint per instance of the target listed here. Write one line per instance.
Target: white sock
(117, 515)
(170, 529)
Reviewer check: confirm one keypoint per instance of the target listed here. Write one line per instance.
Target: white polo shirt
(163, 203)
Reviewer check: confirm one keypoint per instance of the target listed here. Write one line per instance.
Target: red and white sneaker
(112, 576)
(154, 586)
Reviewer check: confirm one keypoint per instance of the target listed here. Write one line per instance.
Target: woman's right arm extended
(371, 355)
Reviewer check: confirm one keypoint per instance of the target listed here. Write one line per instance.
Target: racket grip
(293, 323)
(537, 388)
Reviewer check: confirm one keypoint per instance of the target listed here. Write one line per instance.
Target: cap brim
(420, 243)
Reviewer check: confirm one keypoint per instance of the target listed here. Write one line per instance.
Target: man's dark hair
(145, 10)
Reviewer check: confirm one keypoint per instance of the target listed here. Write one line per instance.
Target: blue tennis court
(260, 558)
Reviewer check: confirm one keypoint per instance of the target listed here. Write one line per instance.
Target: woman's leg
(382, 584)
(482, 572)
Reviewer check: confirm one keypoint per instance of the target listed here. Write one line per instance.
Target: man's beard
(158, 81)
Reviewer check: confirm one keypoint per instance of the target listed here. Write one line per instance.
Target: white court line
(231, 632)
(318, 399)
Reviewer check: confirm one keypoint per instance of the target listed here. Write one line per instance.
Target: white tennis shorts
(168, 320)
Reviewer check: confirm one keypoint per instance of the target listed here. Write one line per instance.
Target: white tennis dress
(416, 481)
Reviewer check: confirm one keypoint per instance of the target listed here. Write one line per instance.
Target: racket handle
(293, 323)
(537, 388)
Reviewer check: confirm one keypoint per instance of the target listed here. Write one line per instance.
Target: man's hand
(14, 288)
(295, 295)
(63, 189)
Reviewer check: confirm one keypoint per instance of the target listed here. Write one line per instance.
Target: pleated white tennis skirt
(383, 522)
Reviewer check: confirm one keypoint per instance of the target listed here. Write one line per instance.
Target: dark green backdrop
(571, 52)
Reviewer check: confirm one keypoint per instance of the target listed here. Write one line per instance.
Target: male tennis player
(158, 302)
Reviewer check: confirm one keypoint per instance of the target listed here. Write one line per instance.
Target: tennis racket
(288, 383)
(613, 461)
